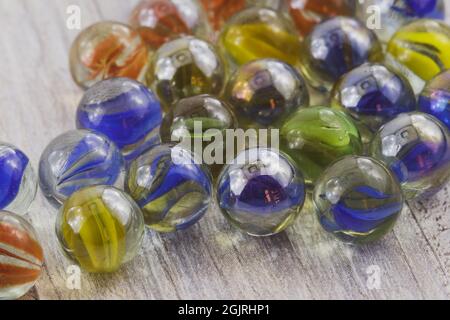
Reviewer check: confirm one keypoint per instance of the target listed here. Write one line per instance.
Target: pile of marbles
(379, 138)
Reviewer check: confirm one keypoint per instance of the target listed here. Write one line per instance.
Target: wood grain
(212, 260)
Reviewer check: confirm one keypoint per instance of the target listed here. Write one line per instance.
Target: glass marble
(392, 14)
(107, 50)
(315, 137)
(416, 146)
(79, 159)
(160, 21)
(308, 13)
(100, 228)
(18, 183)
(261, 192)
(220, 11)
(264, 92)
(185, 67)
(435, 98)
(201, 121)
(358, 200)
(123, 110)
(258, 33)
(373, 94)
(419, 50)
(21, 256)
(173, 190)
(335, 47)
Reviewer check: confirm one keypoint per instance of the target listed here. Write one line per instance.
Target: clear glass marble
(79, 159)
(358, 199)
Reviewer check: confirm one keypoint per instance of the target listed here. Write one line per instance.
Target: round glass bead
(315, 137)
(18, 183)
(101, 228)
(416, 147)
(435, 98)
(373, 94)
(160, 21)
(261, 192)
(79, 159)
(107, 50)
(21, 256)
(258, 33)
(123, 110)
(173, 190)
(264, 92)
(358, 200)
(183, 68)
(335, 47)
(419, 50)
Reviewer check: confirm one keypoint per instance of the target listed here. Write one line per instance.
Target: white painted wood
(212, 260)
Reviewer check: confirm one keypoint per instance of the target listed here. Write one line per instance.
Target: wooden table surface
(38, 100)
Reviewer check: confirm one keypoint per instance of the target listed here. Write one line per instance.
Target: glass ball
(21, 256)
(101, 228)
(306, 14)
(419, 51)
(416, 147)
(358, 200)
(373, 94)
(123, 110)
(173, 190)
(261, 192)
(220, 11)
(185, 67)
(315, 137)
(435, 98)
(335, 47)
(160, 21)
(264, 92)
(108, 50)
(258, 33)
(18, 183)
(79, 159)
(392, 14)
(201, 121)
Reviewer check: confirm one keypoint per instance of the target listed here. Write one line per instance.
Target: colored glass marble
(173, 191)
(219, 11)
(261, 192)
(199, 122)
(18, 183)
(416, 146)
(392, 14)
(21, 256)
(160, 21)
(358, 200)
(185, 67)
(373, 94)
(335, 47)
(79, 159)
(264, 92)
(258, 33)
(419, 51)
(315, 137)
(123, 110)
(435, 98)
(101, 228)
(308, 13)
(106, 50)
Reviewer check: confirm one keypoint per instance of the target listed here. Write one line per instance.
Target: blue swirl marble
(79, 159)
(17, 181)
(261, 192)
(435, 98)
(416, 146)
(357, 199)
(125, 111)
(373, 94)
(419, 9)
(173, 191)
